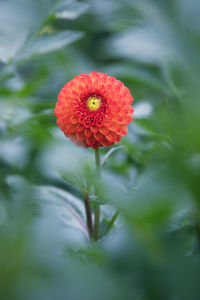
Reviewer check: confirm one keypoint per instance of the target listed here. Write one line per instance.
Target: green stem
(96, 206)
(88, 214)
(111, 223)
(197, 228)
(96, 221)
(98, 162)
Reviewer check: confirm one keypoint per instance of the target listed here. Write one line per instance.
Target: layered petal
(94, 110)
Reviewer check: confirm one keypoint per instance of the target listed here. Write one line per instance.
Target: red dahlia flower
(94, 110)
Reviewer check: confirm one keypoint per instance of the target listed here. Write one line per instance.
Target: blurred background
(152, 176)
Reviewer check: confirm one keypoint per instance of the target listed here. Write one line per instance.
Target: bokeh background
(152, 176)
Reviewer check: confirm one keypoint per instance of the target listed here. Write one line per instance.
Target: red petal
(99, 137)
(90, 141)
(80, 136)
(73, 120)
(127, 119)
(70, 128)
(88, 133)
(123, 129)
(118, 138)
(94, 129)
(106, 143)
(80, 128)
(96, 145)
(104, 130)
(111, 136)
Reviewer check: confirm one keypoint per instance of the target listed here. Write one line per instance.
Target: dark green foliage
(152, 177)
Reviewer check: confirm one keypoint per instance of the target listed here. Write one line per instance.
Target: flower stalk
(88, 212)
(96, 205)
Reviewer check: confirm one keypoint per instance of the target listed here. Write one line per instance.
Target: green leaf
(74, 180)
(19, 20)
(107, 155)
(70, 9)
(49, 42)
(22, 20)
(66, 203)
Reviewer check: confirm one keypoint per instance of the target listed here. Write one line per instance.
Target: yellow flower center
(93, 103)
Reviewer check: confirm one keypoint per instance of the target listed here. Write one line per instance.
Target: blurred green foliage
(153, 178)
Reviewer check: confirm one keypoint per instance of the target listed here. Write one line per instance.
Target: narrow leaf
(107, 155)
(49, 42)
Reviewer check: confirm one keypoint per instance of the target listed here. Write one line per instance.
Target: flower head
(94, 110)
